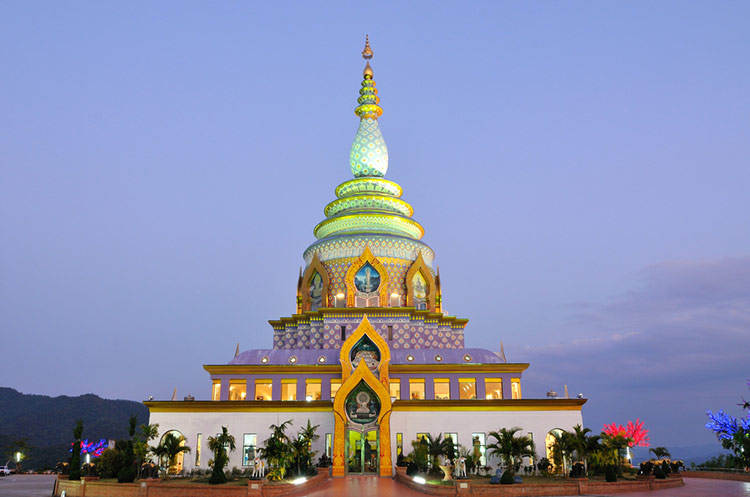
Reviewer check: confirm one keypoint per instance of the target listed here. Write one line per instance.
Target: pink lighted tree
(637, 434)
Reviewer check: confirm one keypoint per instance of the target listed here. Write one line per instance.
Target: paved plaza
(27, 485)
(371, 486)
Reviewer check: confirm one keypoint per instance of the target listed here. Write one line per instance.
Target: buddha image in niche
(362, 407)
(367, 279)
(420, 287)
(368, 352)
(315, 291)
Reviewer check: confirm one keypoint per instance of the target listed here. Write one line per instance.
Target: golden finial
(367, 52)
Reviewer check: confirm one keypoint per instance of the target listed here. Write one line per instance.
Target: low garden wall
(158, 488)
(716, 475)
(578, 486)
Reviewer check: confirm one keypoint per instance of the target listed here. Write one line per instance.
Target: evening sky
(581, 170)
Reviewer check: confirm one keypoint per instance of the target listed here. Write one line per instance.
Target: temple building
(368, 355)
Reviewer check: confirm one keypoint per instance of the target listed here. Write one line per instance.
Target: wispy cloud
(667, 350)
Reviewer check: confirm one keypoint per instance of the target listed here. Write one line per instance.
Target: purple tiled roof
(398, 356)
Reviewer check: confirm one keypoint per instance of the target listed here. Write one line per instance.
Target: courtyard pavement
(372, 486)
(27, 485)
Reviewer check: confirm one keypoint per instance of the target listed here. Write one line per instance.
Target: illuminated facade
(369, 354)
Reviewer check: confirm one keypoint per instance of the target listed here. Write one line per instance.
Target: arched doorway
(362, 438)
(175, 463)
(363, 451)
(552, 455)
(362, 407)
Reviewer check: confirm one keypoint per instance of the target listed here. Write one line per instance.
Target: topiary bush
(507, 478)
(659, 473)
(610, 474)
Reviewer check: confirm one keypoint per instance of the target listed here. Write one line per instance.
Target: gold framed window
(395, 387)
(442, 388)
(416, 388)
(312, 389)
(288, 389)
(263, 389)
(237, 389)
(493, 388)
(515, 388)
(335, 385)
(467, 388)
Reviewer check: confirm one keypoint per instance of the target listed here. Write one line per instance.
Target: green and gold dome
(368, 212)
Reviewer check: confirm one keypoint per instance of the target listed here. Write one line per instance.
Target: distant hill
(48, 423)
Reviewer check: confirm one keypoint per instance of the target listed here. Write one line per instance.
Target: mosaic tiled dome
(368, 210)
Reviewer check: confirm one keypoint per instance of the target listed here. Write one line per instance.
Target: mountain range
(48, 422)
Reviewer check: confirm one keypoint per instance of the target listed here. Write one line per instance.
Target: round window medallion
(264, 360)
(438, 358)
(293, 359)
(467, 358)
(321, 359)
(410, 358)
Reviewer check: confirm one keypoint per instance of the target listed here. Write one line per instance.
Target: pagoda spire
(369, 154)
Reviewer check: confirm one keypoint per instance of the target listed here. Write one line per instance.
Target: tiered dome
(369, 210)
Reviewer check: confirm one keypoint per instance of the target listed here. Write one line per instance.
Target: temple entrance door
(363, 452)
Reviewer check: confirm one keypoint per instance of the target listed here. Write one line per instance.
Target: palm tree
(510, 447)
(141, 448)
(660, 452)
(304, 457)
(562, 447)
(436, 447)
(218, 445)
(585, 445)
(300, 454)
(611, 447)
(309, 432)
(277, 451)
(171, 446)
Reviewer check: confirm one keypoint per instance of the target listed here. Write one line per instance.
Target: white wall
(238, 423)
(538, 423)
(409, 423)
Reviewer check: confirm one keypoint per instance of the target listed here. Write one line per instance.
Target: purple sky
(581, 170)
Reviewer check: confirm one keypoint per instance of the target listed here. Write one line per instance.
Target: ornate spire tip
(367, 52)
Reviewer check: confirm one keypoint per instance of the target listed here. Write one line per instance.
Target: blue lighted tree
(733, 433)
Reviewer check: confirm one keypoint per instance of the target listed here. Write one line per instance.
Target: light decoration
(419, 479)
(299, 481)
(637, 434)
(725, 426)
(733, 433)
(93, 448)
